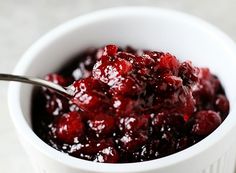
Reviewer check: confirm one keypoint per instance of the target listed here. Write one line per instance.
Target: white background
(22, 22)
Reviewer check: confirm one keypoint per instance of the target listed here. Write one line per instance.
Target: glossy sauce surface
(130, 106)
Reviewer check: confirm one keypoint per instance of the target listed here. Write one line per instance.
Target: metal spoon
(64, 91)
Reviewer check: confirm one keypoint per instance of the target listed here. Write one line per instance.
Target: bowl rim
(26, 132)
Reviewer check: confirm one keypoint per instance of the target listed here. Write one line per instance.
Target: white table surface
(22, 22)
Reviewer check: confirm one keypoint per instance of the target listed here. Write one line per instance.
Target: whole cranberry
(149, 151)
(126, 56)
(182, 143)
(69, 127)
(107, 155)
(123, 66)
(222, 105)
(132, 141)
(124, 105)
(171, 120)
(102, 124)
(56, 105)
(188, 73)
(167, 62)
(89, 100)
(86, 84)
(144, 61)
(133, 123)
(171, 83)
(92, 146)
(110, 71)
(89, 95)
(57, 79)
(127, 86)
(205, 122)
(204, 89)
(110, 50)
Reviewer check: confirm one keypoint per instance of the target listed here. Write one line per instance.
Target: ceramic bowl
(182, 35)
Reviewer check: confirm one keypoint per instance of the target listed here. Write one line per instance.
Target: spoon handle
(36, 81)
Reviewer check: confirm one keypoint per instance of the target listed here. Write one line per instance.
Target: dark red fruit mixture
(129, 106)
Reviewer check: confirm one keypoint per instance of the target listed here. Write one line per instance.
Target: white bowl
(182, 35)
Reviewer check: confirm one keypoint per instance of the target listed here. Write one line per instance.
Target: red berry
(102, 124)
(133, 123)
(123, 66)
(126, 86)
(178, 101)
(188, 73)
(144, 61)
(168, 62)
(90, 101)
(132, 141)
(182, 143)
(124, 106)
(110, 50)
(206, 122)
(170, 120)
(94, 146)
(106, 72)
(57, 79)
(107, 155)
(88, 95)
(153, 54)
(110, 71)
(126, 56)
(69, 128)
(172, 82)
(204, 89)
(86, 84)
(56, 105)
(222, 105)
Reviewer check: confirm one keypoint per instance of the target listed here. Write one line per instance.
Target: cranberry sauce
(129, 106)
